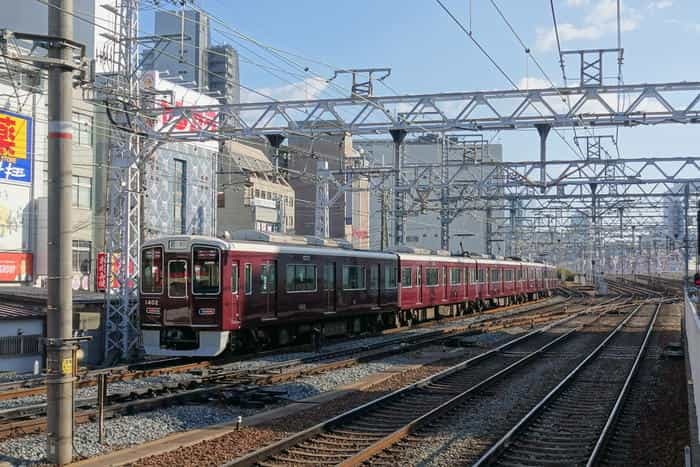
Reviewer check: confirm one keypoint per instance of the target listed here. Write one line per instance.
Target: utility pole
(59, 314)
(384, 232)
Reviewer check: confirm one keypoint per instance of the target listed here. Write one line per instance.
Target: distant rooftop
(14, 312)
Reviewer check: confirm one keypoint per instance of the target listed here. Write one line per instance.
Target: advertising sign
(169, 96)
(15, 148)
(101, 271)
(15, 267)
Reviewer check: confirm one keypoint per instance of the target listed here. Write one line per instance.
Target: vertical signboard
(15, 148)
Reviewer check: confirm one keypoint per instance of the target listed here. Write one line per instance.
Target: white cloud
(310, 88)
(577, 3)
(530, 82)
(660, 4)
(600, 21)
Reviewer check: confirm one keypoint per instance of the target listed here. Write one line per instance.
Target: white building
(467, 230)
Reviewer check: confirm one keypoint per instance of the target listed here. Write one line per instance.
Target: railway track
(573, 422)
(36, 387)
(243, 386)
(364, 432)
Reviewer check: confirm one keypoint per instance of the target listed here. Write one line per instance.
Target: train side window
(354, 278)
(432, 277)
(267, 278)
(248, 279)
(301, 278)
(390, 280)
(374, 276)
(177, 278)
(328, 277)
(234, 278)
(455, 276)
(406, 278)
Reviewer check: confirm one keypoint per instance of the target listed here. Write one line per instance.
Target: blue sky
(429, 53)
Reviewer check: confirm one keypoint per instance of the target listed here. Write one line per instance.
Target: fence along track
(357, 435)
(571, 424)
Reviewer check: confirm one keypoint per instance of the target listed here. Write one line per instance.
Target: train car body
(201, 295)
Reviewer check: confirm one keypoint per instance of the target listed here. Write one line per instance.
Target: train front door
(329, 286)
(268, 286)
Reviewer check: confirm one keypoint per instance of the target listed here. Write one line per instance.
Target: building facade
(224, 74)
(250, 197)
(469, 231)
(349, 216)
(183, 53)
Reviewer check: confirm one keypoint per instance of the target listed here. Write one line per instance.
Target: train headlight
(206, 311)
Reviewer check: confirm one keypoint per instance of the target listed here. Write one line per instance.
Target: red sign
(193, 122)
(101, 273)
(15, 267)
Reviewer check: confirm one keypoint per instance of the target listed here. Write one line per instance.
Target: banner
(101, 275)
(15, 148)
(15, 267)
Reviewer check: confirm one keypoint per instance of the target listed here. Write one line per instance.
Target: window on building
(82, 129)
(179, 196)
(82, 192)
(248, 279)
(268, 275)
(152, 270)
(82, 252)
(406, 274)
(432, 277)
(301, 278)
(390, 279)
(257, 193)
(354, 277)
(205, 263)
(455, 276)
(234, 278)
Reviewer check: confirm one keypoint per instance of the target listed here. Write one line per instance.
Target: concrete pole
(543, 131)
(59, 379)
(398, 136)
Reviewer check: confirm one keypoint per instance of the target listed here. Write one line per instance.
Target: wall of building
(423, 230)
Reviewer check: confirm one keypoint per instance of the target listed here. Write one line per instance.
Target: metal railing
(20, 345)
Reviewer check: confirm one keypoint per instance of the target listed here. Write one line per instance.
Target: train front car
(181, 296)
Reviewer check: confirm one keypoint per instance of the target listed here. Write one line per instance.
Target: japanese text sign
(15, 148)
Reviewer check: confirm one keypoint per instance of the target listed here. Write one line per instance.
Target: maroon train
(202, 295)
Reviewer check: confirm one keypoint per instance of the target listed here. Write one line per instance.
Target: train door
(268, 286)
(235, 301)
(329, 286)
(419, 283)
(178, 312)
(374, 284)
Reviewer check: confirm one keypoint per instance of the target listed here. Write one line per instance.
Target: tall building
(349, 214)
(184, 52)
(224, 75)
(469, 231)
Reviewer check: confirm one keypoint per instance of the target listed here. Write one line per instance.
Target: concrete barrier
(691, 330)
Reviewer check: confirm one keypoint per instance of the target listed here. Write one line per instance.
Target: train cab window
(268, 274)
(455, 276)
(354, 278)
(234, 278)
(177, 278)
(301, 278)
(248, 279)
(432, 277)
(406, 282)
(205, 263)
(152, 270)
(390, 280)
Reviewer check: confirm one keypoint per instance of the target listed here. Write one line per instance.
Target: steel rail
(282, 445)
(490, 455)
(594, 458)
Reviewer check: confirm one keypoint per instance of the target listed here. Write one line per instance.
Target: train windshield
(152, 270)
(205, 265)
